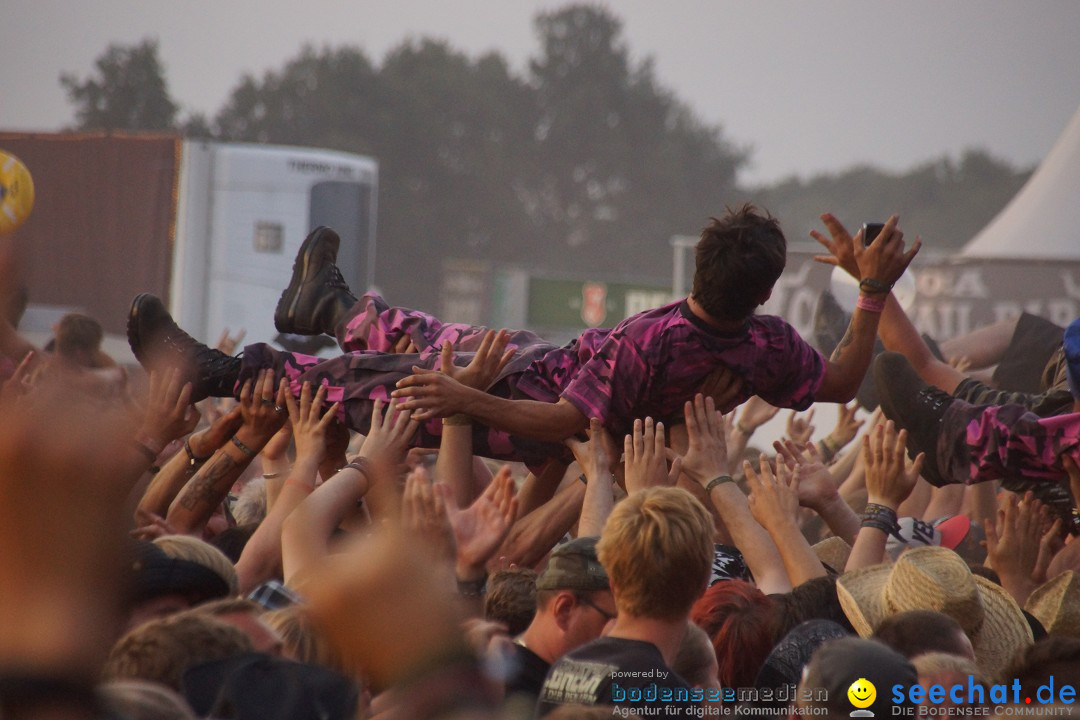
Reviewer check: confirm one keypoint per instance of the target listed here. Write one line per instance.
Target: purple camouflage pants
(368, 370)
(991, 442)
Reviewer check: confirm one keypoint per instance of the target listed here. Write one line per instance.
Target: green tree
(127, 91)
(623, 164)
(322, 98)
(945, 201)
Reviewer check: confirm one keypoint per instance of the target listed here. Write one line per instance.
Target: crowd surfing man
(524, 402)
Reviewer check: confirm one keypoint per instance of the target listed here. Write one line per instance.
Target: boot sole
(285, 312)
(134, 338)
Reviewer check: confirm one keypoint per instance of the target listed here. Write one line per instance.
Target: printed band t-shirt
(617, 672)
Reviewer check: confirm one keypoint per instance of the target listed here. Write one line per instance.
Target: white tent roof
(1043, 220)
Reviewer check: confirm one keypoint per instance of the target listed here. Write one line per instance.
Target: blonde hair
(144, 700)
(186, 547)
(301, 639)
(657, 548)
(162, 650)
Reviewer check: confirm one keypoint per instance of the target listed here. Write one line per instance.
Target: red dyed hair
(738, 618)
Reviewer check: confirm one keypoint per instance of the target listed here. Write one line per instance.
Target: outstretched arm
(876, 267)
(430, 393)
(897, 332)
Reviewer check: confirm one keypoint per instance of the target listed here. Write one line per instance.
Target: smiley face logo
(862, 693)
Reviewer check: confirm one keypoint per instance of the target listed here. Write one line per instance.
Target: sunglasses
(586, 601)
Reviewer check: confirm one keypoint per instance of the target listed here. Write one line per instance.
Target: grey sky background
(809, 86)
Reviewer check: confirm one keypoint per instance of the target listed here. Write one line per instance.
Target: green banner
(575, 304)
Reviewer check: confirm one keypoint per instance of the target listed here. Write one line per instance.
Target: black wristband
(718, 480)
(243, 448)
(193, 462)
(874, 287)
(883, 518)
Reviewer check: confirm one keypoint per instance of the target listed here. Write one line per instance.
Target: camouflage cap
(574, 566)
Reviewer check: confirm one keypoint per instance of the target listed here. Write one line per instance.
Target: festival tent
(1043, 220)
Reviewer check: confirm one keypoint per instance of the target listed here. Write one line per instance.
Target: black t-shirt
(529, 672)
(618, 672)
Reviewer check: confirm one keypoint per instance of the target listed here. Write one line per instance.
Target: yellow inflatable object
(16, 192)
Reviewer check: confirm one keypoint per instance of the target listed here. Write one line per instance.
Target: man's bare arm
(896, 329)
(877, 267)
(430, 393)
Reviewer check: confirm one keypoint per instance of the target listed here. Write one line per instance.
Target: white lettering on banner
(641, 300)
(943, 320)
(969, 284)
(793, 300)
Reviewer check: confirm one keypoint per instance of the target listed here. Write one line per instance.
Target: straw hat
(936, 578)
(834, 552)
(1057, 604)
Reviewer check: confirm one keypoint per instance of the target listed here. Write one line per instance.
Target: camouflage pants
(368, 370)
(992, 442)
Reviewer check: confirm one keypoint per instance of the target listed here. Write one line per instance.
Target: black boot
(156, 338)
(317, 296)
(914, 406)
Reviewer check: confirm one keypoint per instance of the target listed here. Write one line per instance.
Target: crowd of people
(450, 521)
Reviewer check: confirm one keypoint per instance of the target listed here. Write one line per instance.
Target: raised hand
(840, 244)
(480, 529)
(388, 439)
(151, 526)
(884, 260)
(888, 481)
(169, 413)
(598, 456)
(262, 408)
(774, 500)
(645, 457)
(430, 394)
(846, 428)
(1013, 543)
(800, 429)
(310, 423)
(816, 485)
(484, 368)
(205, 442)
(754, 413)
(424, 513)
(706, 455)
(228, 343)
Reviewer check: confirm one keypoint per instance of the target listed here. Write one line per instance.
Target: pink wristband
(869, 304)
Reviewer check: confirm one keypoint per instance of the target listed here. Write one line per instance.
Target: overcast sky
(809, 86)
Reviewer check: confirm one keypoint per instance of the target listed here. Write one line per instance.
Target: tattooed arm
(877, 266)
(209, 486)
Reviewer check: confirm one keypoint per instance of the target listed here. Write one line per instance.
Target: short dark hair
(915, 632)
(511, 598)
(738, 260)
(77, 334)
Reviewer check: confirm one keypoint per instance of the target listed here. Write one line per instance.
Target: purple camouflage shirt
(653, 362)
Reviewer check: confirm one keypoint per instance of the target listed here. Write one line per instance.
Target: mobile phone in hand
(871, 231)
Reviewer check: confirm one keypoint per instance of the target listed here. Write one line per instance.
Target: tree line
(584, 165)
